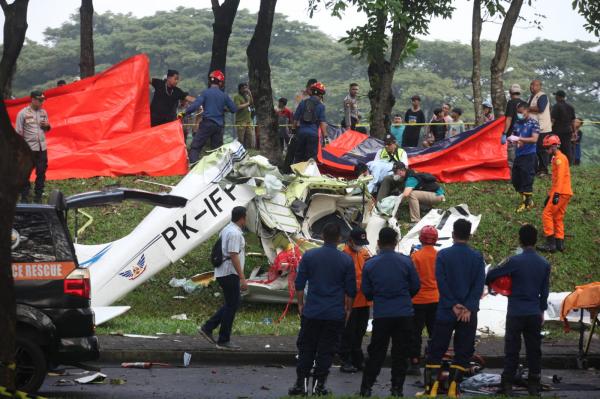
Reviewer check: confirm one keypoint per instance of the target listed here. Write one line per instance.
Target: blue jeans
(208, 130)
(231, 292)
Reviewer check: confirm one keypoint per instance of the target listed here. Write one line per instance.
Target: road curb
(277, 358)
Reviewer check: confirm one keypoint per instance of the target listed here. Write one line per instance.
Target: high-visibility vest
(396, 157)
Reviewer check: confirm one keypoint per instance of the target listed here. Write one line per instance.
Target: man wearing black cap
(351, 349)
(563, 123)
(390, 280)
(230, 276)
(167, 96)
(32, 123)
(391, 151)
(413, 116)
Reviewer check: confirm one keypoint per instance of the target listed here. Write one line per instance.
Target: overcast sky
(561, 22)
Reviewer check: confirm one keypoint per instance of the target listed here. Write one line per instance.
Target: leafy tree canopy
(438, 71)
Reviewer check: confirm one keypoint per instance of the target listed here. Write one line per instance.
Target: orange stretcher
(585, 297)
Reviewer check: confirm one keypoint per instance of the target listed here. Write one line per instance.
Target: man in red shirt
(351, 348)
(426, 301)
(285, 119)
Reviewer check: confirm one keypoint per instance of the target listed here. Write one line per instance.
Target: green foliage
(153, 302)
(591, 12)
(438, 71)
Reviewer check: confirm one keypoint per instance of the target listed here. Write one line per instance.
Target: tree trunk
(224, 16)
(15, 166)
(381, 76)
(498, 64)
(86, 24)
(259, 73)
(8, 85)
(476, 48)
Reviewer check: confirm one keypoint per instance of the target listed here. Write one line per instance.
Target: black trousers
(543, 159)
(40, 163)
(424, 318)
(410, 137)
(530, 328)
(399, 330)
(307, 144)
(389, 186)
(464, 341)
(208, 130)
(226, 314)
(566, 145)
(523, 173)
(317, 342)
(352, 337)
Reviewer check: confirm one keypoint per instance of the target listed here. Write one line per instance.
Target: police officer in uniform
(331, 290)
(308, 119)
(390, 280)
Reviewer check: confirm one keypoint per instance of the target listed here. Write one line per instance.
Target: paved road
(259, 382)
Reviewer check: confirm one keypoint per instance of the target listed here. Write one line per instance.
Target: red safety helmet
(551, 140)
(217, 75)
(428, 235)
(318, 88)
(502, 285)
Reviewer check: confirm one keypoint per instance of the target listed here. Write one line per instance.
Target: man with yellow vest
(391, 151)
(539, 109)
(558, 198)
(351, 352)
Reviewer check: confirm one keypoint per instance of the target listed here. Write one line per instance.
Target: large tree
(404, 19)
(224, 15)
(86, 39)
(259, 73)
(590, 10)
(15, 166)
(477, 24)
(498, 64)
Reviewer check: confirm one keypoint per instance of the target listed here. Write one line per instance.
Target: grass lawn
(153, 304)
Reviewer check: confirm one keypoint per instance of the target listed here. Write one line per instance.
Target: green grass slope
(153, 303)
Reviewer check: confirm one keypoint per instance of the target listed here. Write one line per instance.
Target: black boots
(300, 388)
(549, 245)
(506, 387)
(533, 385)
(560, 245)
(430, 380)
(455, 378)
(319, 386)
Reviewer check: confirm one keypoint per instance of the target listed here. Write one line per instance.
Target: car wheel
(31, 365)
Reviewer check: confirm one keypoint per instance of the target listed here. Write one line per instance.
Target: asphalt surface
(250, 381)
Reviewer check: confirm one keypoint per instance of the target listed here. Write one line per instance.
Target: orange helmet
(216, 76)
(428, 235)
(317, 88)
(551, 140)
(502, 285)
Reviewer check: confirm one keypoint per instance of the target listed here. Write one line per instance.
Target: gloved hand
(555, 198)
(503, 139)
(546, 200)
(180, 115)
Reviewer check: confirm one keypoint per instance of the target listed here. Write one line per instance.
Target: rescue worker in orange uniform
(558, 198)
(351, 352)
(426, 301)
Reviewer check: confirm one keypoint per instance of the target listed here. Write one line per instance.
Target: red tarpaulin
(474, 155)
(101, 127)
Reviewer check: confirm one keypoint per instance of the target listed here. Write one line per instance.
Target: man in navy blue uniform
(331, 290)
(390, 281)
(215, 102)
(460, 274)
(530, 275)
(308, 119)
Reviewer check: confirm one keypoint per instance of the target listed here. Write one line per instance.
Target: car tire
(31, 365)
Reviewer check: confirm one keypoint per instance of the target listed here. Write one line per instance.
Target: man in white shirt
(32, 124)
(230, 276)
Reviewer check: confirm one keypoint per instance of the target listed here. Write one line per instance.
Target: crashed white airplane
(286, 212)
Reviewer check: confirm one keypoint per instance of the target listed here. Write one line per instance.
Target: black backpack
(216, 254)
(310, 111)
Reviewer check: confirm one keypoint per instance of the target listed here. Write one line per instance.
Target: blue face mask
(520, 117)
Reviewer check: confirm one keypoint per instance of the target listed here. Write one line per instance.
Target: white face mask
(355, 248)
(397, 178)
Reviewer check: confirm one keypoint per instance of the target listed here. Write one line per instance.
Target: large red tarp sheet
(474, 155)
(101, 127)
